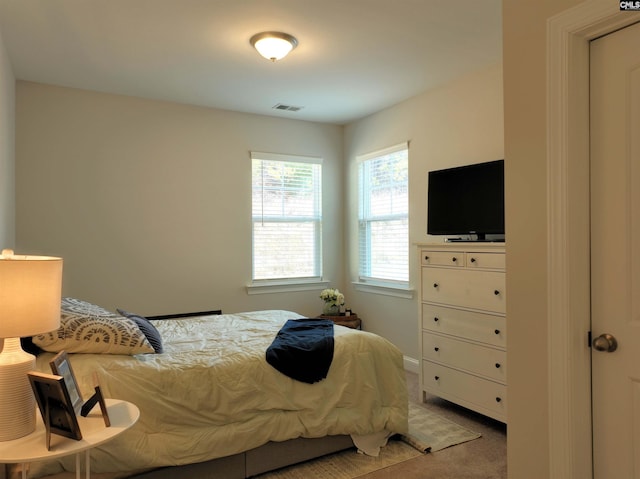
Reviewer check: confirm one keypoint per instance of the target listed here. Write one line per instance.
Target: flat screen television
(467, 200)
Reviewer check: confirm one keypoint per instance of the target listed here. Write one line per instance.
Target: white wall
(149, 203)
(456, 124)
(7, 150)
(525, 89)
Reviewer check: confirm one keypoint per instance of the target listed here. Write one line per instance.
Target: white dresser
(463, 328)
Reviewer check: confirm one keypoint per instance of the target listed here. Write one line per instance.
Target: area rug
(428, 432)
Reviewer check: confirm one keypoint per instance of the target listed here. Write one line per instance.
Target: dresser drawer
(482, 327)
(482, 395)
(485, 260)
(443, 258)
(475, 358)
(484, 290)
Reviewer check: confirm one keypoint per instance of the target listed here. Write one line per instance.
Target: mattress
(211, 393)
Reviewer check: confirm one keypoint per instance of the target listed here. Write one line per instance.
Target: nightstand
(32, 448)
(353, 321)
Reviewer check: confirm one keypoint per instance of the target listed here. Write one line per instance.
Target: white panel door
(615, 252)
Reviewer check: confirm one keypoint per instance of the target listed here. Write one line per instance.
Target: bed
(212, 406)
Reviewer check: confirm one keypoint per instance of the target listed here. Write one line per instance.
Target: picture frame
(55, 406)
(93, 400)
(61, 366)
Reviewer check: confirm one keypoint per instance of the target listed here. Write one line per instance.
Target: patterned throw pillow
(87, 328)
(83, 308)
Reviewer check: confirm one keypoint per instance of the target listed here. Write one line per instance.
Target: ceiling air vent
(282, 107)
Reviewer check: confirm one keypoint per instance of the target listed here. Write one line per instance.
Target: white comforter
(212, 393)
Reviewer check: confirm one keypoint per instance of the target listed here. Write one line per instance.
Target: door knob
(606, 343)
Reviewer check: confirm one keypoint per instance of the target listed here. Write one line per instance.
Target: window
(287, 217)
(383, 179)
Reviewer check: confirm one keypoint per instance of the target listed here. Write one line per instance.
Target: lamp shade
(30, 292)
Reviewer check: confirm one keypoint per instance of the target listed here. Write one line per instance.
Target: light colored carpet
(428, 431)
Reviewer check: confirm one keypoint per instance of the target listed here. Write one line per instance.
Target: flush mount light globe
(273, 45)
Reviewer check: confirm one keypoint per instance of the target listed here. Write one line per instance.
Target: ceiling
(354, 57)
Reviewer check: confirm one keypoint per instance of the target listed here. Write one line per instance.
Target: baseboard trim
(411, 365)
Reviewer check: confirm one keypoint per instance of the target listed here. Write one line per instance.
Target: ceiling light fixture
(273, 45)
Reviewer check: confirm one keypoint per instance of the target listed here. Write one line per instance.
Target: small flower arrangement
(332, 296)
(333, 299)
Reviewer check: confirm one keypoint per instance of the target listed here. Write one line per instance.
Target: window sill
(396, 291)
(268, 287)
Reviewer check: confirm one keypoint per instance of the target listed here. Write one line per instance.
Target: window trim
(266, 286)
(277, 285)
(379, 285)
(398, 290)
(384, 151)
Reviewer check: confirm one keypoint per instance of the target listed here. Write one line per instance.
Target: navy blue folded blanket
(303, 349)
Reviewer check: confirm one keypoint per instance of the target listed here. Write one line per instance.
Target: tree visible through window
(384, 216)
(287, 217)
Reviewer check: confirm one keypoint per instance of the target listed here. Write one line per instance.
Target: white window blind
(287, 217)
(384, 216)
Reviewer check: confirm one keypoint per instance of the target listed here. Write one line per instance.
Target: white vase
(331, 309)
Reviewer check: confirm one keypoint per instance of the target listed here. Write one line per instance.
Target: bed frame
(269, 457)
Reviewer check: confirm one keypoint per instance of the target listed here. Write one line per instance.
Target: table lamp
(30, 293)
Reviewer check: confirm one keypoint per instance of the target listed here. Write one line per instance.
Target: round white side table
(32, 447)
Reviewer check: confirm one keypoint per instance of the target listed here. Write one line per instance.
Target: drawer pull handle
(437, 377)
(497, 365)
(497, 331)
(496, 292)
(435, 285)
(454, 259)
(473, 260)
(436, 349)
(426, 258)
(498, 399)
(436, 319)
